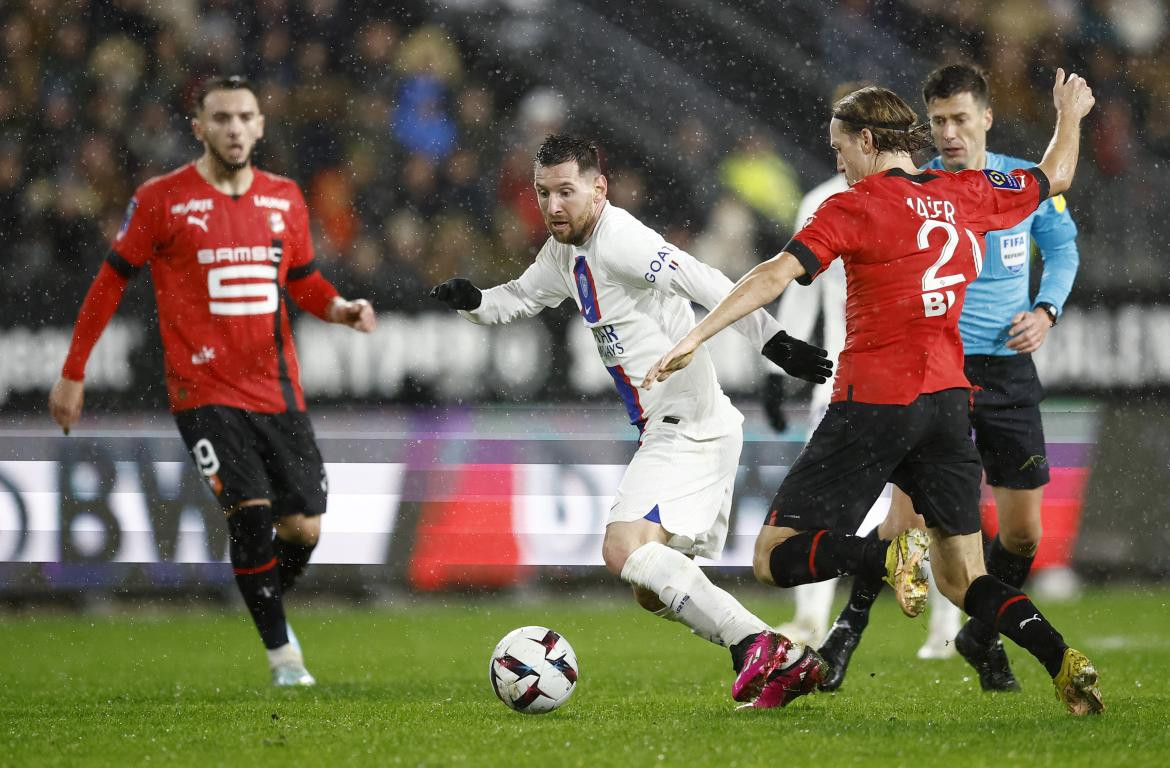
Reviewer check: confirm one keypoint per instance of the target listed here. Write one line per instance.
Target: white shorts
(684, 484)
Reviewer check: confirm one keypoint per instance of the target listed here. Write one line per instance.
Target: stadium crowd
(415, 166)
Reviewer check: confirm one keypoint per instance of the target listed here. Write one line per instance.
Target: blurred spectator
(375, 114)
(627, 189)
(728, 242)
(331, 197)
(420, 186)
(464, 187)
(760, 177)
(457, 247)
(11, 188)
(422, 120)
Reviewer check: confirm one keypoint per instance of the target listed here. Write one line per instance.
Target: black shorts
(1006, 420)
(924, 448)
(246, 455)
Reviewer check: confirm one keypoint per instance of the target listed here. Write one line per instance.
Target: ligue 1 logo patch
(1002, 180)
(276, 222)
(130, 208)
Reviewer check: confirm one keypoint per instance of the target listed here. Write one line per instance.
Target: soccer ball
(533, 670)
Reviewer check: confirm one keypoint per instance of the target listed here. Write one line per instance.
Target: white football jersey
(800, 304)
(634, 291)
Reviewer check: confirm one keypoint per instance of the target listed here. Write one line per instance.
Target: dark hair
(561, 148)
(892, 122)
(954, 79)
(231, 83)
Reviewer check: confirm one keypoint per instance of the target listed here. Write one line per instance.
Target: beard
(228, 164)
(574, 235)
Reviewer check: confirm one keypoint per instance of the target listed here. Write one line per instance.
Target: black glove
(772, 399)
(798, 358)
(457, 293)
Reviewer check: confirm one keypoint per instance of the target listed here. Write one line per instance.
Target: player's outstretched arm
(101, 301)
(357, 314)
(1073, 99)
(65, 402)
(761, 285)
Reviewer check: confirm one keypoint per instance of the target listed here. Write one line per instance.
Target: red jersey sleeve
(833, 230)
(132, 248)
(1003, 198)
(308, 288)
(299, 249)
(136, 238)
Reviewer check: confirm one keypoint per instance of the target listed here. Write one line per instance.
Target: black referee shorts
(1006, 418)
(924, 448)
(246, 455)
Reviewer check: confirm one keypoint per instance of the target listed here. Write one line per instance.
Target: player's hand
(798, 358)
(1072, 97)
(772, 399)
(1028, 331)
(65, 401)
(458, 293)
(357, 314)
(674, 360)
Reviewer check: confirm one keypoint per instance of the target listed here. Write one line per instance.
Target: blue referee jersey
(1001, 290)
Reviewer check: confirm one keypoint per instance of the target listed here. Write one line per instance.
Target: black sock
(819, 555)
(293, 558)
(1008, 567)
(866, 588)
(1010, 612)
(739, 652)
(255, 566)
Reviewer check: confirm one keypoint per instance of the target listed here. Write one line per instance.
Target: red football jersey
(910, 245)
(219, 265)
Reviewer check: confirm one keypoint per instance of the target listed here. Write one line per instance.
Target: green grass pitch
(406, 684)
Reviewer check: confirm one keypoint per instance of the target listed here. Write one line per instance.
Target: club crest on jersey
(1002, 180)
(586, 291)
(130, 208)
(276, 222)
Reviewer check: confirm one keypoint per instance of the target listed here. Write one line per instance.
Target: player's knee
(1021, 538)
(762, 565)
(299, 529)
(614, 551)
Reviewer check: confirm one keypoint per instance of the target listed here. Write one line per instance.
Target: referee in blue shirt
(1001, 326)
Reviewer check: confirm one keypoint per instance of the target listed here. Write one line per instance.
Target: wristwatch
(1049, 310)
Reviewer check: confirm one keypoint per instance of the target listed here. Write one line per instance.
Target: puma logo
(1035, 617)
(1034, 461)
(199, 222)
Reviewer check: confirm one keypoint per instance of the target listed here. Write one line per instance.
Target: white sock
(285, 654)
(944, 615)
(814, 602)
(710, 612)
